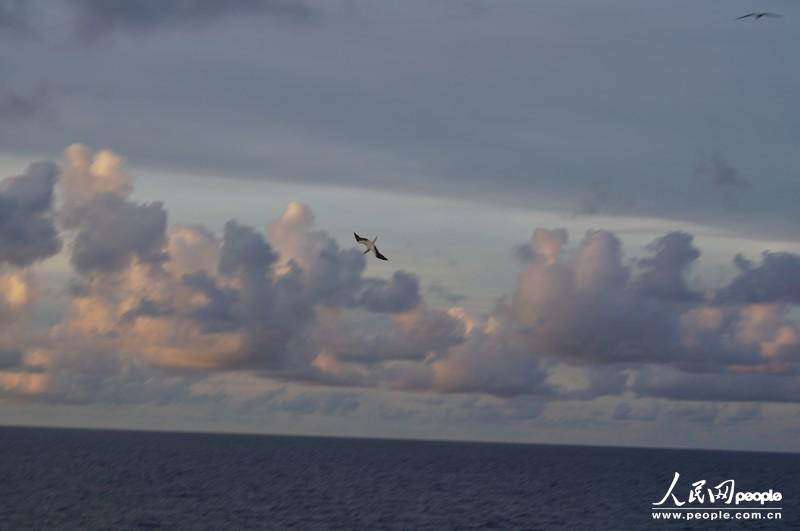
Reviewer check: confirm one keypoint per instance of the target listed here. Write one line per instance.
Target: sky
(589, 212)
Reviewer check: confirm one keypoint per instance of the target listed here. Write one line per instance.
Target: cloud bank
(155, 308)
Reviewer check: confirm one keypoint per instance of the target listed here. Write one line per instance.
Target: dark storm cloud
(27, 230)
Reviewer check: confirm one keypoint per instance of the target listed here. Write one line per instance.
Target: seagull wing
(379, 255)
(775, 15)
(359, 239)
(745, 16)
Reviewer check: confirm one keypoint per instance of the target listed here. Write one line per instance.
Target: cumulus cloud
(182, 298)
(334, 275)
(17, 291)
(491, 362)
(663, 274)
(27, 229)
(399, 293)
(588, 309)
(172, 305)
(775, 279)
(112, 230)
(86, 175)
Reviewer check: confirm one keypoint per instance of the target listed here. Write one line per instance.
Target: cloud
(15, 17)
(625, 411)
(10, 358)
(17, 291)
(723, 175)
(244, 252)
(174, 305)
(331, 404)
(439, 290)
(518, 410)
(440, 146)
(86, 175)
(545, 246)
(333, 275)
(414, 335)
(666, 382)
(98, 18)
(743, 413)
(182, 298)
(22, 107)
(489, 362)
(114, 231)
(663, 274)
(695, 414)
(588, 309)
(598, 198)
(27, 229)
(399, 294)
(775, 279)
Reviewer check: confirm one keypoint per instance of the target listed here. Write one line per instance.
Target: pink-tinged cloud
(156, 309)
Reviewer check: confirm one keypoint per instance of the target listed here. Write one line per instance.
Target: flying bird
(759, 15)
(370, 246)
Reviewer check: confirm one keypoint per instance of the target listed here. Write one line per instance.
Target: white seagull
(370, 246)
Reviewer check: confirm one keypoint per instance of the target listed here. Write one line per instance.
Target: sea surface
(86, 479)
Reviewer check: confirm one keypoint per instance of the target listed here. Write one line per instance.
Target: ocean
(91, 479)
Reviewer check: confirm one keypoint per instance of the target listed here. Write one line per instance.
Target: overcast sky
(574, 197)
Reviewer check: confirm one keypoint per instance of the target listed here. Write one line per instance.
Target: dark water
(81, 479)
